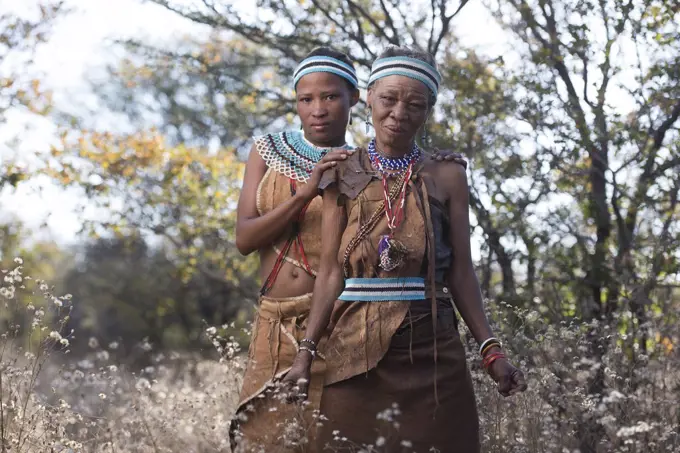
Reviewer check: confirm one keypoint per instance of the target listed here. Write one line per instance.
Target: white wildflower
(55, 335)
(93, 343)
(146, 346)
(211, 330)
(641, 427)
(18, 261)
(533, 316)
(142, 384)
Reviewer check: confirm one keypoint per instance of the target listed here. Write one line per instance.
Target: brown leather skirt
(393, 406)
(264, 420)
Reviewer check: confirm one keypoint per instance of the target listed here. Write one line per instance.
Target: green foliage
(128, 292)
(185, 196)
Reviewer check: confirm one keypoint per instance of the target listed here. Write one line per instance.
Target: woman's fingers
(334, 156)
(326, 165)
(519, 381)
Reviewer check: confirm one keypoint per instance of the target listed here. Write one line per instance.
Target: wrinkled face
(400, 106)
(323, 104)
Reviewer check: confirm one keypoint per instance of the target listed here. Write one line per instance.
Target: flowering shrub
(53, 402)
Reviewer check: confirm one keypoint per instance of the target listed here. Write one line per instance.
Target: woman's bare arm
(254, 231)
(462, 277)
(329, 280)
(327, 288)
(465, 286)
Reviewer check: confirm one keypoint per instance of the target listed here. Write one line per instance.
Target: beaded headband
(325, 64)
(408, 67)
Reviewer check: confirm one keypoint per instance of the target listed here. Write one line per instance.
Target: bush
(51, 401)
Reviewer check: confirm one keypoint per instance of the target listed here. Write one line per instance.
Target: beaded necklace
(393, 163)
(291, 154)
(391, 251)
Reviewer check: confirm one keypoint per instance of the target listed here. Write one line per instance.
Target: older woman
(396, 250)
(279, 215)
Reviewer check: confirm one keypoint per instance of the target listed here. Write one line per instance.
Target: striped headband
(325, 64)
(408, 67)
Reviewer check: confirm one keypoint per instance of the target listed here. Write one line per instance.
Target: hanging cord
(295, 240)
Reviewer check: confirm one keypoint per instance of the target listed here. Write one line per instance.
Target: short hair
(396, 51)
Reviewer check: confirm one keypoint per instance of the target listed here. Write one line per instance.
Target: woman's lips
(395, 129)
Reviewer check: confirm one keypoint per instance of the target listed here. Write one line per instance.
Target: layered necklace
(291, 154)
(391, 251)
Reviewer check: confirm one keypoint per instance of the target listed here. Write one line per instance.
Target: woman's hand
(448, 155)
(510, 379)
(311, 189)
(296, 381)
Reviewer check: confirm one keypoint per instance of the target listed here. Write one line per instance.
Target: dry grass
(51, 402)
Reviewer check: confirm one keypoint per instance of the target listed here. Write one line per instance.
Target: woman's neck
(331, 143)
(392, 151)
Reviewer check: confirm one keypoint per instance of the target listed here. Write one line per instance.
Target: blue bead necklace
(398, 164)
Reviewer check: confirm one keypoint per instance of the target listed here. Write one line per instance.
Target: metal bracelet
(311, 351)
(488, 341)
(307, 340)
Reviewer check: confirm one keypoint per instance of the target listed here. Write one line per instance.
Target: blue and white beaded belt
(383, 289)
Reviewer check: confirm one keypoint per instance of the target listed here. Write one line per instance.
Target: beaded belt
(383, 289)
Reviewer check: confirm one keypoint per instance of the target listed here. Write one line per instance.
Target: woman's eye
(332, 97)
(305, 99)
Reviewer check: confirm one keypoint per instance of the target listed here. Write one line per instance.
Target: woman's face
(323, 104)
(400, 106)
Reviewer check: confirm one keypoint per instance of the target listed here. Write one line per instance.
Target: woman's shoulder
(449, 176)
(271, 137)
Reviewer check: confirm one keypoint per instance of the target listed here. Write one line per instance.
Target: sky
(82, 43)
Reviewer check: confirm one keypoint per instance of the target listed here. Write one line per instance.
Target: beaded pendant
(392, 253)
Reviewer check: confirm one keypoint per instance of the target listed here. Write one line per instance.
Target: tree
(575, 193)
(208, 93)
(185, 197)
(173, 186)
(126, 291)
(43, 260)
(616, 170)
(19, 89)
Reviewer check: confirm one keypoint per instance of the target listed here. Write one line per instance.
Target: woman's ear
(354, 100)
